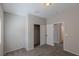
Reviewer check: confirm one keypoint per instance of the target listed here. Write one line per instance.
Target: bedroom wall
(70, 18)
(14, 32)
(1, 31)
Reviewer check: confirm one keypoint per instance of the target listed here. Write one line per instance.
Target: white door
(50, 40)
(42, 34)
(0, 40)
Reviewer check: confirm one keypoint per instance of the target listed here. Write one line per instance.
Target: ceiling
(38, 9)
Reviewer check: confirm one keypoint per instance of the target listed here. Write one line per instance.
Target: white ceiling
(38, 9)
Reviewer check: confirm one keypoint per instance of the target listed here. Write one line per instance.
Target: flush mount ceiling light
(47, 4)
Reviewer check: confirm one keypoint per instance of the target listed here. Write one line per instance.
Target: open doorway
(58, 35)
(36, 35)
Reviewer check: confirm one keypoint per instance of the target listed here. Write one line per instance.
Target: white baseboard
(71, 52)
(11, 50)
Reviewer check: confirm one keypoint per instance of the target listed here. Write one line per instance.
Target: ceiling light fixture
(47, 4)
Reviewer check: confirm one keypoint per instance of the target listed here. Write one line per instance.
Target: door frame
(63, 31)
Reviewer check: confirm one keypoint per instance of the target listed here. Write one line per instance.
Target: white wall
(26, 32)
(19, 31)
(1, 31)
(31, 21)
(14, 32)
(71, 28)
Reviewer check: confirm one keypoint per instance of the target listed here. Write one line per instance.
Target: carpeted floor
(44, 50)
(60, 45)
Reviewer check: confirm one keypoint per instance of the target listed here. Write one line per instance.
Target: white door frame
(42, 36)
(53, 32)
(63, 32)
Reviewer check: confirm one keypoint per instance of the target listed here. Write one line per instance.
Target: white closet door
(50, 40)
(0, 40)
(42, 34)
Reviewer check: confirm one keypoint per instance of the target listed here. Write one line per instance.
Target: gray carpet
(60, 45)
(44, 50)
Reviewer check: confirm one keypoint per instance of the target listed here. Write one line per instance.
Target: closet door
(42, 34)
(50, 40)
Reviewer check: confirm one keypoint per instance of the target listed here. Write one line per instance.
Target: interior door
(50, 40)
(42, 34)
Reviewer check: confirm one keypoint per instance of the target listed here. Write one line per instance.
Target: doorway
(36, 35)
(58, 35)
